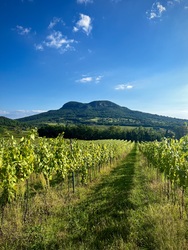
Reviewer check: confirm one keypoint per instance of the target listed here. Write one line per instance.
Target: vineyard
(170, 158)
(45, 187)
(53, 161)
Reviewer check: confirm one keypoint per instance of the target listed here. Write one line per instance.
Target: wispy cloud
(22, 30)
(177, 113)
(3, 112)
(173, 2)
(156, 11)
(26, 112)
(39, 47)
(170, 3)
(88, 79)
(84, 24)
(178, 1)
(56, 40)
(14, 114)
(98, 79)
(123, 87)
(54, 22)
(84, 1)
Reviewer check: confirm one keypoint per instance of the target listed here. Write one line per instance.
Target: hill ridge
(102, 112)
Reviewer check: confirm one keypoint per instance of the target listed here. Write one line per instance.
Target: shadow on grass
(102, 218)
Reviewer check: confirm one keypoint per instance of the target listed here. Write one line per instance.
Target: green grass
(102, 217)
(123, 209)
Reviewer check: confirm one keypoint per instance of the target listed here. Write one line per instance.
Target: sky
(131, 52)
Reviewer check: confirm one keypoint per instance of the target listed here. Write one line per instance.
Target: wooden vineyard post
(73, 175)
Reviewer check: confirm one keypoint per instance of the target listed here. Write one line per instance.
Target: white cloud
(23, 111)
(22, 31)
(15, 114)
(98, 79)
(57, 41)
(170, 3)
(123, 87)
(39, 110)
(177, 113)
(84, 24)
(54, 22)
(160, 8)
(173, 2)
(156, 11)
(75, 29)
(39, 47)
(84, 1)
(87, 79)
(3, 112)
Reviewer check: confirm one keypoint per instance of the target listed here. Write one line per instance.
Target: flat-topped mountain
(101, 113)
(94, 104)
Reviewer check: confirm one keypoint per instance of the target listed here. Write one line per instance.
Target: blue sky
(131, 52)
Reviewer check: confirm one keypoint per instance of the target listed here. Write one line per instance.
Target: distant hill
(4, 121)
(101, 113)
(8, 125)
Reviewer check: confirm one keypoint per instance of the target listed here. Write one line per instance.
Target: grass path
(101, 220)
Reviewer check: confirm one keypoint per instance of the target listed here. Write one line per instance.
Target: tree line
(84, 132)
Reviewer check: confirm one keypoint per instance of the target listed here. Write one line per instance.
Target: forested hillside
(102, 113)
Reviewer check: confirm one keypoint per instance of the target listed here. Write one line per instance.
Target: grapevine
(170, 157)
(53, 158)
